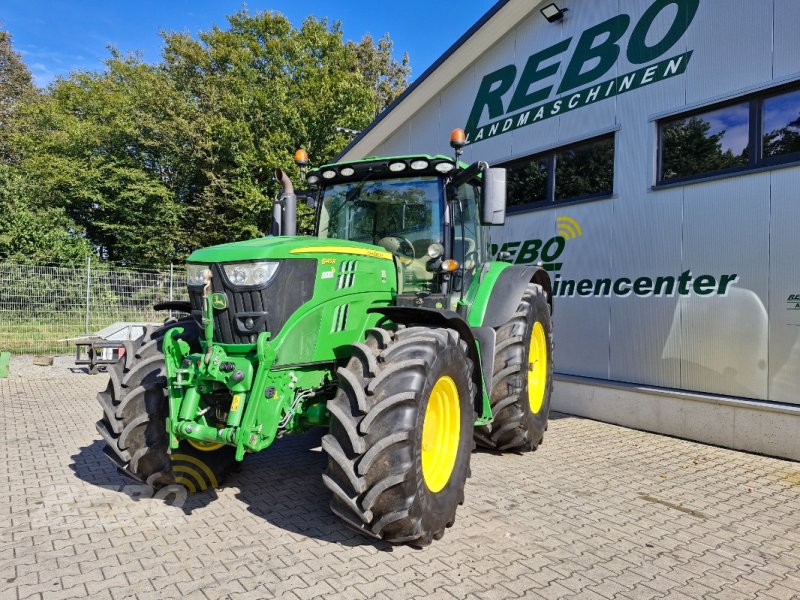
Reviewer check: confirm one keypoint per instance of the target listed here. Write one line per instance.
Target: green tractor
(391, 327)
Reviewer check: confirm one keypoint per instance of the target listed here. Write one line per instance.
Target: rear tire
(522, 385)
(134, 420)
(389, 481)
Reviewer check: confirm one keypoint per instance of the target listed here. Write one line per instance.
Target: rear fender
(497, 305)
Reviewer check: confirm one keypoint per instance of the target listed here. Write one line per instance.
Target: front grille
(253, 310)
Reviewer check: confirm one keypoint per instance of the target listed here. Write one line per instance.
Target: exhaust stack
(284, 209)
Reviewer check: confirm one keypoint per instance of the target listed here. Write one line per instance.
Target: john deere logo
(546, 253)
(596, 52)
(219, 301)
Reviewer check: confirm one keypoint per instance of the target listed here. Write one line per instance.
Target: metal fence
(42, 307)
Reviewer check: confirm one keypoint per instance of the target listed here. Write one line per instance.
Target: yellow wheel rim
(441, 431)
(537, 368)
(205, 446)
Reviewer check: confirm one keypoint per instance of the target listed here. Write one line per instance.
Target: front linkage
(264, 401)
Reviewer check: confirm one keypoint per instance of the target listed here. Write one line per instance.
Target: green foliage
(145, 163)
(31, 233)
(15, 88)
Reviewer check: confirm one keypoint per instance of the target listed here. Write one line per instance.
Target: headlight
(435, 250)
(250, 273)
(196, 274)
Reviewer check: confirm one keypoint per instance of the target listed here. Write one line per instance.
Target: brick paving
(598, 512)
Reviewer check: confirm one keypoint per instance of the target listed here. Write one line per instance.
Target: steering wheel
(400, 247)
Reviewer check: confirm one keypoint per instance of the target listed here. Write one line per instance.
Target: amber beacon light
(301, 157)
(457, 141)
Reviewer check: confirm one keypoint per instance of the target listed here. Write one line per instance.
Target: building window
(758, 130)
(572, 173)
(781, 118)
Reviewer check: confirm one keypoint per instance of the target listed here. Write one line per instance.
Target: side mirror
(307, 196)
(493, 197)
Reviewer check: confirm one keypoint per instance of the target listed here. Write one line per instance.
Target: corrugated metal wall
(743, 344)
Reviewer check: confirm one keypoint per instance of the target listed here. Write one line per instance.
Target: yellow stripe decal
(341, 250)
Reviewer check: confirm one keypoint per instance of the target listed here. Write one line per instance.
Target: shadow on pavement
(282, 485)
(91, 465)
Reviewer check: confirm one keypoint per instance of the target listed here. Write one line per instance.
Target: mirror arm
(470, 172)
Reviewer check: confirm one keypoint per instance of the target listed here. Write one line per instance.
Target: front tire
(400, 440)
(134, 413)
(523, 377)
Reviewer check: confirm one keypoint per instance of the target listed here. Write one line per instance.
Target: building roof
(482, 35)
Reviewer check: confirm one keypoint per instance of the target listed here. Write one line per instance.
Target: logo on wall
(547, 254)
(568, 228)
(596, 53)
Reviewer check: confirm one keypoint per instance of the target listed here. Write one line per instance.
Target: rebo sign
(596, 52)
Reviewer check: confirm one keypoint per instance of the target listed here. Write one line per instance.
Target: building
(653, 155)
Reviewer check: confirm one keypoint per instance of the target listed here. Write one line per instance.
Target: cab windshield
(402, 215)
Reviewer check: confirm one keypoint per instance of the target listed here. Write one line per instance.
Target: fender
(505, 293)
(409, 315)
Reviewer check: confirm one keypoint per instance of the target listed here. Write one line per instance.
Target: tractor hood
(284, 247)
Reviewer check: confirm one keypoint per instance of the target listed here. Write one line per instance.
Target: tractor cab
(429, 212)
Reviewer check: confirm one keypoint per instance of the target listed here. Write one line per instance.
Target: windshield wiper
(354, 192)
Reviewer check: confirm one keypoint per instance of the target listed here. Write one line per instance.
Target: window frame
(756, 162)
(549, 157)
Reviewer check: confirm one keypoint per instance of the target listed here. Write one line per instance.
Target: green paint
(596, 53)
(664, 286)
(481, 290)
(589, 50)
(533, 73)
(245, 395)
(219, 301)
(490, 95)
(5, 359)
(638, 50)
(634, 80)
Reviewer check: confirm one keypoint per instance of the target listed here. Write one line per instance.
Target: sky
(58, 37)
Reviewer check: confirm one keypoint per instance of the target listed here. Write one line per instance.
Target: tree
(16, 86)
(152, 161)
(266, 88)
(35, 234)
(103, 148)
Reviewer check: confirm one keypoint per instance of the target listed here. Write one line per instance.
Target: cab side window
(468, 246)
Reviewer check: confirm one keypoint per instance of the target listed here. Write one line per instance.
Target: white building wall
(745, 344)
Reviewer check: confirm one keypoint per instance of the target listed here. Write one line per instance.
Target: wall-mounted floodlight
(552, 13)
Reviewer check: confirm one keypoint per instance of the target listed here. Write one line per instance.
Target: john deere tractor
(391, 327)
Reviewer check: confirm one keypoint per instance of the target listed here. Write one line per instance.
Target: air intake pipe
(284, 209)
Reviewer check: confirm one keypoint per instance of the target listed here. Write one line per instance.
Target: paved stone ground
(599, 512)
